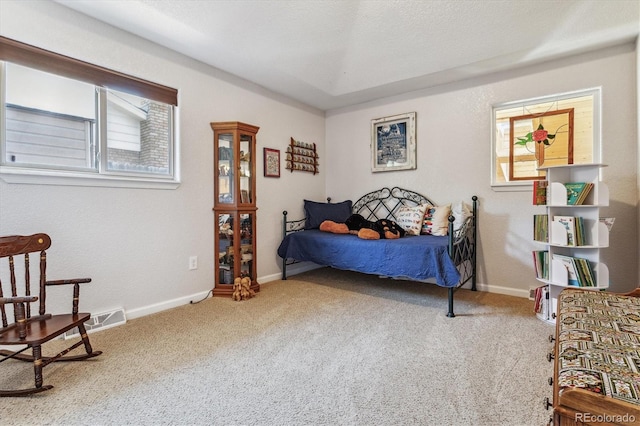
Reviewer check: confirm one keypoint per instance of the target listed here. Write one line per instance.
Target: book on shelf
(586, 276)
(570, 266)
(577, 192)
(569, 224)
(537, 299)
(580, 272)
(541, 264)
(575, 229)
(541, 228)
(579, 221)
(540, 192)
(583, 195)
(541, 301)
(591, 274)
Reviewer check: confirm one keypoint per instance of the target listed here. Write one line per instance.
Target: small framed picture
(271, 162)
(393, 143)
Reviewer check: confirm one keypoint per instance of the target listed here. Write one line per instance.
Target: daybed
(449, 259)
(597, 358)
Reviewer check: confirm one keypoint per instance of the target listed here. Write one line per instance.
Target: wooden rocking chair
(30, 330)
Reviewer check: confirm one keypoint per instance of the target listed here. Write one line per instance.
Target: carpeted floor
(325, 347)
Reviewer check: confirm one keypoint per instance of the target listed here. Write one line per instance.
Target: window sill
(62, 178)
(512, 187)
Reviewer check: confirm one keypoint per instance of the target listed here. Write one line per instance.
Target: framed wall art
(393, 143)
(271, 162)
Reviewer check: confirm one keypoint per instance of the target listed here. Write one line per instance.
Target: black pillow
(316, 213)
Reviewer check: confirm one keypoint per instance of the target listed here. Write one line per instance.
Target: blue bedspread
(412, 257)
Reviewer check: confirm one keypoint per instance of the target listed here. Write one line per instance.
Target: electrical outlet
(193, 262)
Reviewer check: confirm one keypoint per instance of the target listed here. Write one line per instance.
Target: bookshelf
(571, 233)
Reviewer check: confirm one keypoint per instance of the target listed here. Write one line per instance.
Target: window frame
(525, 185)
(103, 78)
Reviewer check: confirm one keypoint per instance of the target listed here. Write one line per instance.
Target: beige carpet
(325, 347)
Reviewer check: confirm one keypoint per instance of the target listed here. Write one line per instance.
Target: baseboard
(168, 304)
(517, 292)
(269, 278)
(298, 268)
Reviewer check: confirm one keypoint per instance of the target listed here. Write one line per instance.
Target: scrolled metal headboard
(384, 203)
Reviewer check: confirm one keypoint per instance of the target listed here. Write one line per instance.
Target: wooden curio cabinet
(234, 208)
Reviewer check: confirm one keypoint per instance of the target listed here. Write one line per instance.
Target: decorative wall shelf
(302, 157)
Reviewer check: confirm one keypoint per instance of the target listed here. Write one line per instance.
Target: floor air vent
(99, 322)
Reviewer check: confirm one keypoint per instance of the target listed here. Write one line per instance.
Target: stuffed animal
(246, 288)
(390, 229)
(334, 227)
(237, 289)
(242, 289)
(365, 229)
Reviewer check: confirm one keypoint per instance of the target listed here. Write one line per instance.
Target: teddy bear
(368, 230)
(242, 289)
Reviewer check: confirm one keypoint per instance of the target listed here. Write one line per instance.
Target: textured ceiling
(331, 53)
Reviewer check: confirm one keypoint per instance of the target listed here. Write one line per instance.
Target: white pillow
(411, 218)
(436, 220)
(461, 212)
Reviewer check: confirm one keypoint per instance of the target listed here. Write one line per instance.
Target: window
(138, 136)
(67, 118)
(552, 130)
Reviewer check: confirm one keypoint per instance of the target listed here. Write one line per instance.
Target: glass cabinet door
(246, 245)
(246, 190)
(225, 248)
(235, 246)
(225, 168)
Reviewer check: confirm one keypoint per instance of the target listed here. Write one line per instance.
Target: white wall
(454, 157)
(135, 243)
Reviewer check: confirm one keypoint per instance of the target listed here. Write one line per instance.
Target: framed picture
(393, 143)
(271, 162)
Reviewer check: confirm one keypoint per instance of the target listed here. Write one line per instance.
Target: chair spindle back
(15, 250)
